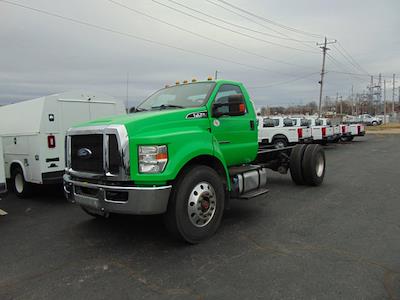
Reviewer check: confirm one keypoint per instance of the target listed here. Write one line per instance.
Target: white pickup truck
(356, 130)
(345, 132)
(280, 132)
(336, 130)
(3, 188)
(367, 119)
(320, 132)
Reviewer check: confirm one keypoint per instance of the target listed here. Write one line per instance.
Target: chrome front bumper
(136, 200)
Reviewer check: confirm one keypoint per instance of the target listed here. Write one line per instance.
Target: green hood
(148, 120)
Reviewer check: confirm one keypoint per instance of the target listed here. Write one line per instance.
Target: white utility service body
(33, 133)
(278, 131)
(3, 187)
(320, 132)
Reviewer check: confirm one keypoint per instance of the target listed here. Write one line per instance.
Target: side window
(305, 122)
(294, 121)
(223, 94)
(269, 122)
(287, 122)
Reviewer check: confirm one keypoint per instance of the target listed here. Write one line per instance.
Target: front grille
(92, 144)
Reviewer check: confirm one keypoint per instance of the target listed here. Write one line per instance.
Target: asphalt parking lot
(337, 241)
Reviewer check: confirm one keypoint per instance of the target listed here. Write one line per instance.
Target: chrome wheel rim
(319, 168)
(19, 183)
(202, 204)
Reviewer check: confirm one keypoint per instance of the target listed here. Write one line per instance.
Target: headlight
(152, 159)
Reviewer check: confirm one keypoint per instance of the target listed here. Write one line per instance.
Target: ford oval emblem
(84, 153)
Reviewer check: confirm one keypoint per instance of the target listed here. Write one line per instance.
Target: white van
(3, 187)
(33, 134)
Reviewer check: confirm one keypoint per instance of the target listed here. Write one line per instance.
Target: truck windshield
(179, 96)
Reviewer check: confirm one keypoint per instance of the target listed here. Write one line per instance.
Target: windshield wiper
(164, 106)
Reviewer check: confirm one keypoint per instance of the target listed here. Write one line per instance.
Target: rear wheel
(296, 158)
(21, 188)
(196, 205)
(313, 165)
(280, 143)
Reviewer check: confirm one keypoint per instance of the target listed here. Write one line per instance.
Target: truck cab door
(236, 135)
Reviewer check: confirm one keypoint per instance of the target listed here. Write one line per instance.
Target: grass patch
(384, 127)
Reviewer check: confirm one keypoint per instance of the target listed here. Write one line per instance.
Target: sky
(269, 45)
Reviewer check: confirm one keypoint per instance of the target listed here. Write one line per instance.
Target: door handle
(252, 124)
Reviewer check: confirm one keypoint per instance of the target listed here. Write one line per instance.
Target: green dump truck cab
(185, 152)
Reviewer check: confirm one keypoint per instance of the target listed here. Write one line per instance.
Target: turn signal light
(51, 141)
(343, 129)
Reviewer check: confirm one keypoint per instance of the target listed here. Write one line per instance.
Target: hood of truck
(155, 120)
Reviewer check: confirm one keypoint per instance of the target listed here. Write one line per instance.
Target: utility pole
(384, 101)
(352, 99)
(393, 89)
(321, 82)
(371, 88)
(336, 102)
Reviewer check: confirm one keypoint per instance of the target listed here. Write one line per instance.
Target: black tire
(20, 187)
(374, 123)
(295, 165)
(314, 165)
(94, 214)
(177, 219)
(280, 143)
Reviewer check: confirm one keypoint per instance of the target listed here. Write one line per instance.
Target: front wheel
(21, 187)
(196, 205)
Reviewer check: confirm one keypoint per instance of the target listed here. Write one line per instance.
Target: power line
(286, 37)
(283, 82)
(263, 25)
(356, 67)
(352, 58)
(226, 28)
(206, 37)
(234, 24)
(99, 27)
(271, 21)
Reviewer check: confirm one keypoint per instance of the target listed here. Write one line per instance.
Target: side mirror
(132, 110)
(235, 106)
